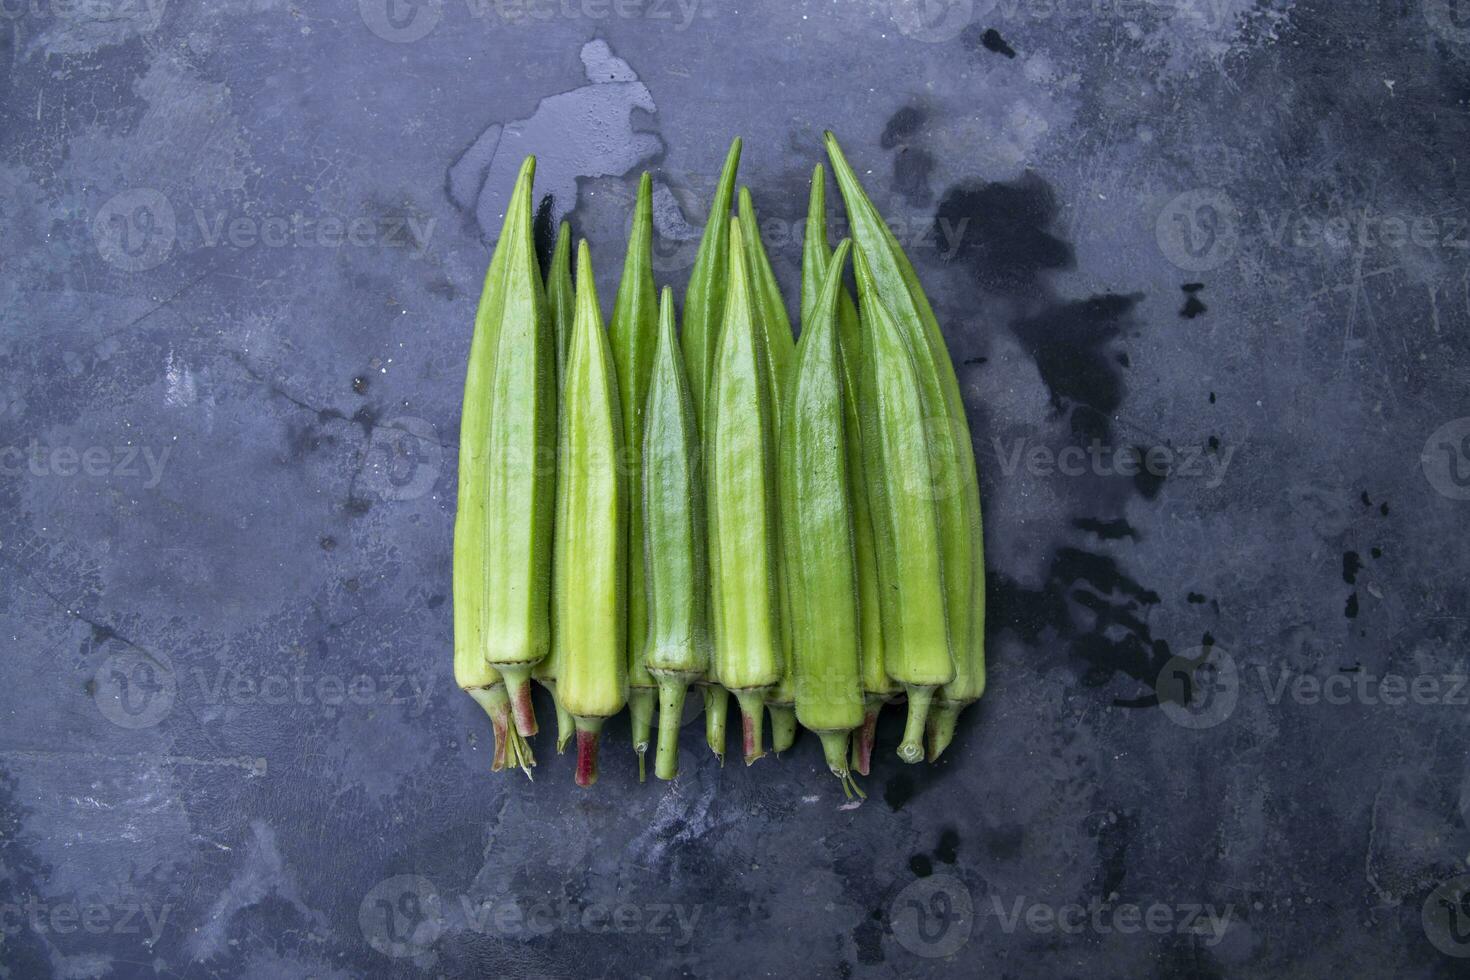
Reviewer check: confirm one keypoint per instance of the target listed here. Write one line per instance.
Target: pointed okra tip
(584, 274)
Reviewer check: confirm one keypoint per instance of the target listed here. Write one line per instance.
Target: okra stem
(834, 747)
(671, 691)
(864, 737)
(920, 697)
(783, 727)
(752, 716)
(589, 734)
(510, 748)
(716, 711)
(641, 704)
(941, 728)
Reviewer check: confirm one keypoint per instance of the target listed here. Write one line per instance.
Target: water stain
(586, 132)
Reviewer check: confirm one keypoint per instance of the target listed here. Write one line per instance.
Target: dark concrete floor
(1204, 268)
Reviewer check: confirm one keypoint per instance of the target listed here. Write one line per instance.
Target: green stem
(941, 727)
(834, 747)
(671, 691)
(518, 686)
(752, 723)
(641, 703)
(566, 727)
(911, 750)
(564, 724)
(716, 710)
(510, 748)
(783, 727)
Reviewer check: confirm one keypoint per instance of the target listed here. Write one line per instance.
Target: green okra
(817, 527)
(471, 671)
(954, 485)
(560, 307)
(775, 327)
(704, 300)
(905, 519)
(704, 313)
(591, 531)
(561, 298)
(515, 447)
(634, 333)
(878, 687)
(675, 647)
(740, 462)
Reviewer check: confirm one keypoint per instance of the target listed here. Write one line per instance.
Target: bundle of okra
(642, 508)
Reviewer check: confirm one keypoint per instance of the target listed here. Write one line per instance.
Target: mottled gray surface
(231, 741)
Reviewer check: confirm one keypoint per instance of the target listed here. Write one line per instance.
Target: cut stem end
(518, 686)
(911, 750)
(589, 734)
(752, 718)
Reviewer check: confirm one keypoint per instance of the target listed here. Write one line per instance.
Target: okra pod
(816, 519)
(519, 433)
(704, 313)
(955, 486)
(704, 300)
(560, 308)
(740, 458)
(591, 531)
(878, 687)
(634, 332)
(675, 648)
(775, 328)
(561, 299)
(905, 519)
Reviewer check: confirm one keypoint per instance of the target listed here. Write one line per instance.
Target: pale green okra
(817, 527)
(878, 687)
(634, 333)
(955, 484)
(676, 647)
(591, 532)
(740, 460)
